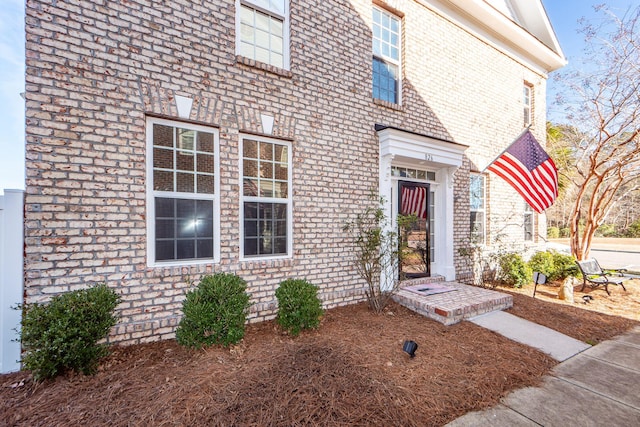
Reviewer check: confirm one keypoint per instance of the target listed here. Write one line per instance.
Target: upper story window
(527, 102)
(182, 184)
(266, 198)
(386, 56)
(528, 223)
(477, 207)
(263, 31)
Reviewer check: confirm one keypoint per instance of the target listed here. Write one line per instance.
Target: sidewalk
(596, 387)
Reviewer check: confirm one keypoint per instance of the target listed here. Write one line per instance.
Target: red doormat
(429, 289)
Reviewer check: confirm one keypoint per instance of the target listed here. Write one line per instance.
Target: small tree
(376, 257)
(603, 110)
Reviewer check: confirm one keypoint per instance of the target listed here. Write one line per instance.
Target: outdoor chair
(593, 275)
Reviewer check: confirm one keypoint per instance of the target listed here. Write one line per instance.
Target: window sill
(263, 66)
(388, 104)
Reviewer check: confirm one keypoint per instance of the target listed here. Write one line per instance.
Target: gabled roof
(520, 26)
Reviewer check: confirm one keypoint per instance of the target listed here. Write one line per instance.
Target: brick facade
(97, 69)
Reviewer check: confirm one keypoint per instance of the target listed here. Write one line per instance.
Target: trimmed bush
(215, 312)
(543, 263)
(513, 270)
(553, 232)
(64, 333)
(564, 265)
(298, 305)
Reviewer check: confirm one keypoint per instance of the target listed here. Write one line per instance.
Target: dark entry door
(413, 229)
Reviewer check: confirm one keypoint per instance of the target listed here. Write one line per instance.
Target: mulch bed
(351, 371)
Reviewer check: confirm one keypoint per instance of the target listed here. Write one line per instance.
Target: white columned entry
(407, 149)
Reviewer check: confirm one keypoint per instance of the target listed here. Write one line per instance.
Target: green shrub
(565, 232)
(64, 333)
(564, 265)
(513, 270)
(542, 262)
(298, 305)
(554, 265)
(553, 232)
(215, 312)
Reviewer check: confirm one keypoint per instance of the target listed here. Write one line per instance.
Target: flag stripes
(414, 201)
(529, 170)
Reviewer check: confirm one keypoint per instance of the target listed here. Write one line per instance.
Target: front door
(413, 229)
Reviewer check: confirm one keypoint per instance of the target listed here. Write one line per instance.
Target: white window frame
(483, 209)
(152, 194)
(384, 58)
(528, 217)
(259, 199)
(527, 103)
(259, 5)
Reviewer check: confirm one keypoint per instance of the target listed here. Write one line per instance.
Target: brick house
(171, 139)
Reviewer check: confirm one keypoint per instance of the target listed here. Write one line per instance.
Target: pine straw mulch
(593, 322)
(351, 371)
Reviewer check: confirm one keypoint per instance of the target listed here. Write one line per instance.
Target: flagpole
(508, 146)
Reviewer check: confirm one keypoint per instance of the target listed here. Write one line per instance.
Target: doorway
(414, 229)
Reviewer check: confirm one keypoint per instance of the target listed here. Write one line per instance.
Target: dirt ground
(351, 371)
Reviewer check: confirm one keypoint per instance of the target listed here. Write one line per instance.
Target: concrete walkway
(555, 344)
(599, 386)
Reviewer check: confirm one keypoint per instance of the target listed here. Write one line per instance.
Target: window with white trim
(266, 197)
(527, 93)
(182, 184)
(528, 223)
(477, 207)
(386, 56)
(262, 31)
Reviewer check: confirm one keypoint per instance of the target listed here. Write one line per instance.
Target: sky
(564, 16)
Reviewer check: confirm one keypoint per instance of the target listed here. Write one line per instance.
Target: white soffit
(415, 147)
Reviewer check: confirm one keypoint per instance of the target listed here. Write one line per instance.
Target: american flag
(530, 170)
(414, 201)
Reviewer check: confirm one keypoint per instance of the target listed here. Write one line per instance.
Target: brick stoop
(452, 307)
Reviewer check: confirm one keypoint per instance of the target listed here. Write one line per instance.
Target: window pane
(162, 158)
(162, 180)
(246, 50)
(165, 250)
(250, 246)
(266, 151)
(186, 228)
(250, 148)
(277, 60)
(206, 184)
(204, 209)
(165, 208)
(163, 135)
(246, 15)
(185, 208)
(205, 142)
(276, 44)
(205, 163)
(250, 187)
(204, 228)
(186, 139)
(185, 182)
(184, 161)
(262, 21)
(262, 55)
(266, 170)
(185, 249)
(165, 229)
(250, 168)
(205, 248)
(262, 39)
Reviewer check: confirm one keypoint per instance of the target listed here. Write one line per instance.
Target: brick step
(448, 308)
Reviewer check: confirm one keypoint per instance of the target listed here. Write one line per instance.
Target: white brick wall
(95, 70)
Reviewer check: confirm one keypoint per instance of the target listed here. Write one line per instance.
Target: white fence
(11, 277)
